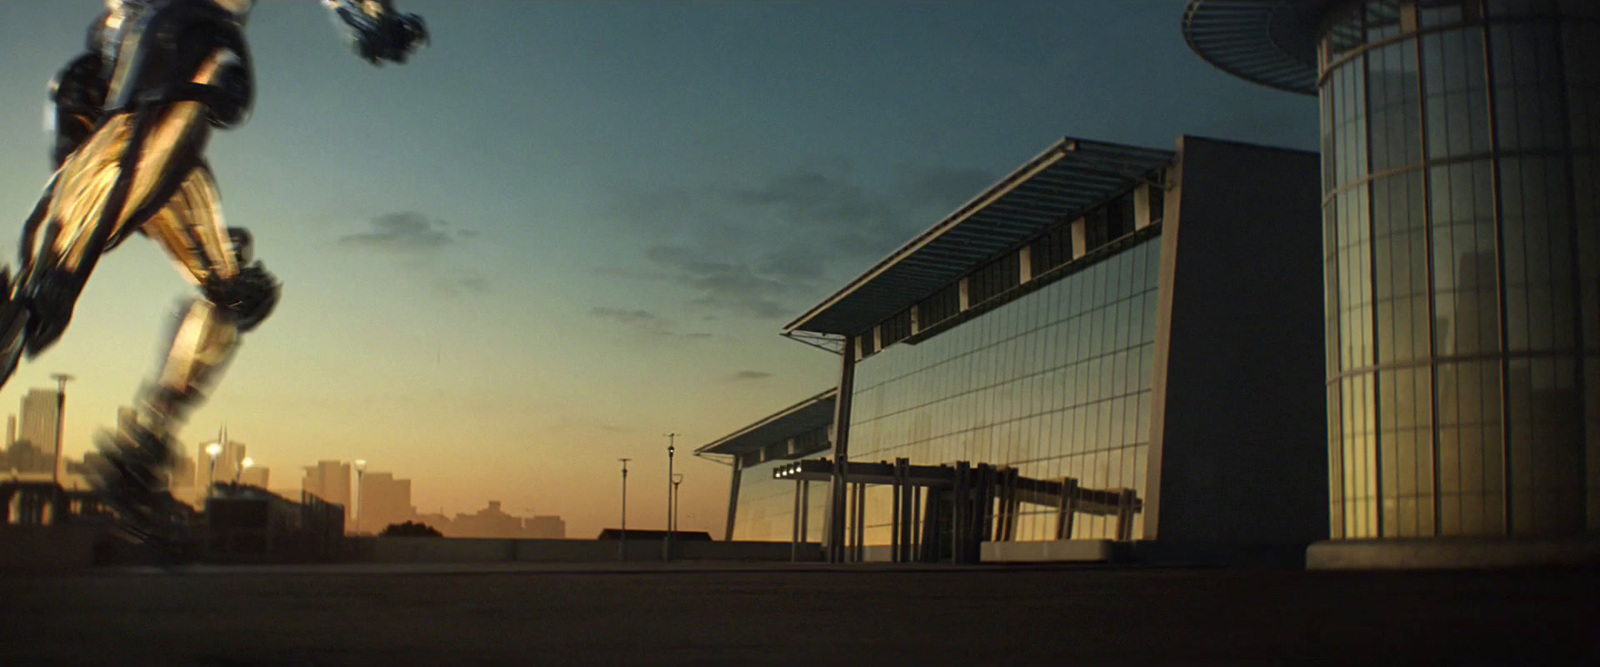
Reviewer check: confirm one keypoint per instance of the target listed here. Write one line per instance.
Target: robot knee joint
(244, 245)
(229, 106)
(248, 297)
(78, 96)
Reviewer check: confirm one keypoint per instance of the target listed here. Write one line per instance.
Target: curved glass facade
(1462, 247)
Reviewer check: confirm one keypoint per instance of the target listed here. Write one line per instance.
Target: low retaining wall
(46, 548)
(1055, 551)
(1451, 554)
(471, 550)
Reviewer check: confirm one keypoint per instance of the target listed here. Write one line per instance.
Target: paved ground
(734, 615)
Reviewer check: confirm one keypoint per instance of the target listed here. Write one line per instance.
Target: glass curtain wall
(1055, 383)
(1462, 250)
(766, 505)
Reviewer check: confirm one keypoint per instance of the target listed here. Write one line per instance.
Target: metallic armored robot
(132, 116)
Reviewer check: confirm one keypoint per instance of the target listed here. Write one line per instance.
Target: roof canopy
(1270, 42)
(1062, 183)
(803, 417)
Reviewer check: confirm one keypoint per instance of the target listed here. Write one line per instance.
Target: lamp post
(212, 450)
(622, 543)
(666, 545)
(361, 467)
(243, 465)
(61, 406)
(676, 480)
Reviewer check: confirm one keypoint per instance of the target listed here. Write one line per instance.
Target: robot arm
(376, 31)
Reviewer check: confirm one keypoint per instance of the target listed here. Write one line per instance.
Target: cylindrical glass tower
(1461, 154)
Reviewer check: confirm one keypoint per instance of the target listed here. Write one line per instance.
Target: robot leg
(237, 294)
(121, 176)
(14, 311)
(124, 174)
(78, 96)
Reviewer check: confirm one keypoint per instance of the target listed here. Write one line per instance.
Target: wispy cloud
(406, 231)
(645, 322)
(761, 250)
(746, 376)
(421, 243)
(643, 318)
(463, 285)
(725, 285)
(566, 424)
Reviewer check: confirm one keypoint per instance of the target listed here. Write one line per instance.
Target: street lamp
(61, 406)
(666, 545)
(212, 450)
(361, 467)
(243, 465)
(676, 480)
(622, 544)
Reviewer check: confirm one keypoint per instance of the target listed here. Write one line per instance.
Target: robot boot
(129, 474)
(13, 326)
(135, 458)
(33, 313)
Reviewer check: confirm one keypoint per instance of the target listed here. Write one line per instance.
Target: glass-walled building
(1460, 144)
(760, 507)
(1056, 383)
(1135, 323)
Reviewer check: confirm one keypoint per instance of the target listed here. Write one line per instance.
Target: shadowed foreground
(695, 614)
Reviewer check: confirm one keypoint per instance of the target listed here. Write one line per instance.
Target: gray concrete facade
(1240, 418)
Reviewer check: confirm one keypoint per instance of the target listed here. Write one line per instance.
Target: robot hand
(377, 32)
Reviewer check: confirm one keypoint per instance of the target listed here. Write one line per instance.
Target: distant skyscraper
(490, 522)
(23, 457)
(384, 501)
(330, 481)
(544, 528)
(254, 476)
(227, 464)
(40, 412)
(11, 429)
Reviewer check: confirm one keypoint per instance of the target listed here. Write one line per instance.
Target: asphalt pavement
(731, 614)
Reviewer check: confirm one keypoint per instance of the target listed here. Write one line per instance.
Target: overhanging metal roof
(1061, 183)
(1270, 42)
(807, 415)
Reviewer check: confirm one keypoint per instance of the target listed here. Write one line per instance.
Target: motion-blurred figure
(132, 116)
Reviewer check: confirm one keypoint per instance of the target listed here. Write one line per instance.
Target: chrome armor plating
(132, 117)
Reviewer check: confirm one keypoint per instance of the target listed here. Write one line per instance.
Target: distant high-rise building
(384, 501)
(254, 476)
(494, 522)
(330, 481)
(40, 414)
(226, 466)
(23, 457)
(544, 528)
(488, 522)
(11, 429)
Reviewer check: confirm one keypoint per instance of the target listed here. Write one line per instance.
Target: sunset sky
(567, 228)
